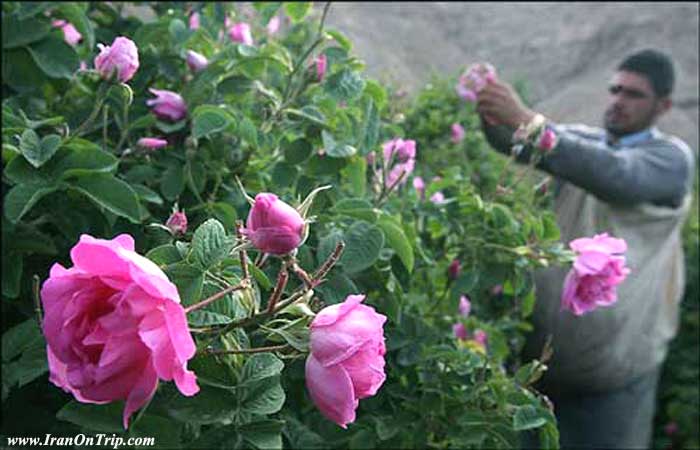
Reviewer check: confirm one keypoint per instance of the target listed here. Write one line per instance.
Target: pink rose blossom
(598, 269)
(404, 150)
(114, 325)
(196, 61)
(454, 269)
(346, 359)
(83, 65)
(419, 186)
(547, 140)
(320, 62)
(240, 32)
(460, 331)
(465, 306)
(177, 222)
(474, 79)
(167, 105)
(152, 143)
(70, 34)
(400, 171)
(194, 21)
(274, 226)
(438, 198)
(457, 133)
(481, 337)
(122, 58)
(273, 25)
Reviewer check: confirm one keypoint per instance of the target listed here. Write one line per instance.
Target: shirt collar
(634, 138)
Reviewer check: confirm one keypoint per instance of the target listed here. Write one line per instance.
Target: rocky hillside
(565, 51)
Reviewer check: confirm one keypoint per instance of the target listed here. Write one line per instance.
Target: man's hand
(498, 102)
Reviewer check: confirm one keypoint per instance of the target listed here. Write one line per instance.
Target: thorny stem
(301, 273)
(37, 299)
(244, 284)
(271, 348)
(282, 279)
(385, 194)
(242, 253)
(330, 262)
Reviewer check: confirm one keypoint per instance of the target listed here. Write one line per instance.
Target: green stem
(99, 101)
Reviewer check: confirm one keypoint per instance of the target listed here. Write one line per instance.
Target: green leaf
(264, 434)
(260, 366)
(550, 228)
(38, 152)
(169, 128)
(363, 242)
(358, 208)
(20, 71)
(376, 92)
(146, 194)
(55, 57)
(23, 197)
(12, 265)
(189, 281)
(336, 288)
(340, 38)
(528, 417)
(110, 193)
(327, 244)
(266, 10)
(31, 9)
(16, 33)
(248, 132)
(345, 85)
(29, 367)
(310, 113)
(260, 277)
(209, 119)
(178, 32)
(265, 397)
(209, 406)
(20, 338)
(104, 418)
(298, 151)
(164, 255)
(334, 149)
(355, 176)
(173, 182)
(397, 240)
(370, 130)
(225, 213)
(204, 318)
(210, 243)
(297, 11)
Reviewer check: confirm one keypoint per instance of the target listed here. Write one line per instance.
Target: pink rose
(273, 25)
(454, 269)
(598, 269)
(419, 186)
(346, 359)
(320, 62)
(400, 171)
(404, 150)
(167, 105)
(274, 226)
(465, 306)
(457, 133)
(547, 140)
(196, 61)
(459, 331)
(177, 222)
(70, 34)
(438, 198)
(474, 79)
(122, 58)
(152, 143)
(240, 32)
(481, 337)
(194, 21)
(114, 325)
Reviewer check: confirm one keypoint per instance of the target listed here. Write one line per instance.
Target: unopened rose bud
(177, 222)
(320, 62)
(481, 337)
(419, 186)
(465, 306)
(152, 143)
(194, 21)
(454, 269)
(273, 25)
(196, 61)
(121, 58)
(167, 105)
(459, 331)
(240, 32)
(547, 140)
(273, 226)
(437, 198)
(70, 34)
(457, 133)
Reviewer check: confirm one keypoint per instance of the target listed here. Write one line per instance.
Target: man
(635, 183)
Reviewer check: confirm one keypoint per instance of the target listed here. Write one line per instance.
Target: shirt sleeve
(655, 172)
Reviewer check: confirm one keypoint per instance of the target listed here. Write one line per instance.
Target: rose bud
(437, 198)
(240, 32)
(274, 226)
(346, 358)
(548, 140)
(167, 105)
(114, 325)
(273, 25)
(196, 61)
(177, 222)
(122, 58)
(320, 62)
(454, 269)
(459, 331)
(419, 186)
(70, 34)
(194, 21)
(152, 143)
(457, 133)
(481, 337)
(465, 306)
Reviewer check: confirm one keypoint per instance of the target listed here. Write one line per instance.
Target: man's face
(632, 104)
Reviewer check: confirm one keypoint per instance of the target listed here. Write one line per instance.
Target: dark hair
(656, 66)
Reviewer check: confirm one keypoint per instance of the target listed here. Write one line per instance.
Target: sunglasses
(627, 92)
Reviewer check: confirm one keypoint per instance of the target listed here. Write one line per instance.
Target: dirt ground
(565, 51)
